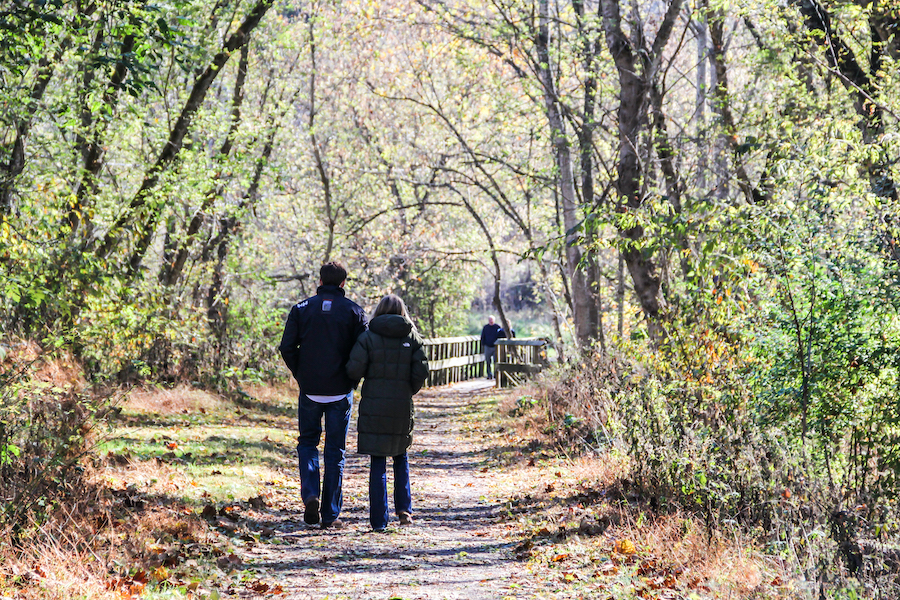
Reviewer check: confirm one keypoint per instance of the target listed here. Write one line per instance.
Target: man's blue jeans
(378, 496)
(490, 356)
(309, 421)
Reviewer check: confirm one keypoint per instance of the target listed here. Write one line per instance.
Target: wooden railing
(519, 359)
(455, 359)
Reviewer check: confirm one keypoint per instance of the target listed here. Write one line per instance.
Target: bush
(46, 418)
(697, 418)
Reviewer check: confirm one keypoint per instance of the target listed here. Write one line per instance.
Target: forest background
(695, 202)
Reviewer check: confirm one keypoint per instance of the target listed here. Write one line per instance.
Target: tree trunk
(855, 78)
(91, 150)
(701, 30)
(754, 194)
(583, 304)
(16, 162)
(321, 167)
(635, 83)
(172, 269)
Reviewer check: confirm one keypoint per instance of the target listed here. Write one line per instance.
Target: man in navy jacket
(318, 336)
(490, 333)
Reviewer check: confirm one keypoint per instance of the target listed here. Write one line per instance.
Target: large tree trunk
(636, 79)
(584, 307)
(591, 39)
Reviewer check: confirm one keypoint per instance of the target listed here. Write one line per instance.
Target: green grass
(211, 456)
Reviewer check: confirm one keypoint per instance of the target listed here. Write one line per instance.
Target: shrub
(46, 418)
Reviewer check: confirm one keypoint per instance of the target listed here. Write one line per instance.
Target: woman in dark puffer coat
(390, 358)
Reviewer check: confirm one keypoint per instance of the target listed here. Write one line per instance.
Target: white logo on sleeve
(406, 344)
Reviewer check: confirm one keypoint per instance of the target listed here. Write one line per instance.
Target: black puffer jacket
(390, 358)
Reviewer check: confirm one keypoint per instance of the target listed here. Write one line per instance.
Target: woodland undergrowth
(702, 436)
(65, 530)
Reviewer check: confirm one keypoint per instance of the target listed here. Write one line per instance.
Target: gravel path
(457, 548)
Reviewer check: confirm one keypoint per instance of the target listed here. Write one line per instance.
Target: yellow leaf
(625, 547)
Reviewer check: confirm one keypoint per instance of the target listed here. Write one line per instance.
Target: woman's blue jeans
(378, 497)
(309, 421)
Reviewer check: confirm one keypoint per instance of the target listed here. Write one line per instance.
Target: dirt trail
(456, 549)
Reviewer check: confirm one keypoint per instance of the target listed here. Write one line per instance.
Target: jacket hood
(393, 326)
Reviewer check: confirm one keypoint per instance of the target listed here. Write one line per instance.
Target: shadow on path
(457, 548)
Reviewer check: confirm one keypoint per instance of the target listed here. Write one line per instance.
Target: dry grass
(51, 571)
(105, 525)
(60, 557)
(572, 504)
(565, 503)
(729, 563)
(58, 369)
(147, 475)
(272, 393)
(180, 399)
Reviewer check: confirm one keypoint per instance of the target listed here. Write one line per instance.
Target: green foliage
(772, 401)
(434, 293)
(828, 343)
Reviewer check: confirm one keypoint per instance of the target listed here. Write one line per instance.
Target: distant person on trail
(490, 333)
(318, 336)
(390, 358)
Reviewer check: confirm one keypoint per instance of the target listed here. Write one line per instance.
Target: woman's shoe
(405, 518)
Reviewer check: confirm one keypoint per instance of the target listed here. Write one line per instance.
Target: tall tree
(638, 66)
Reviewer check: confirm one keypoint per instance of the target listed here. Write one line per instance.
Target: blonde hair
(392, 304)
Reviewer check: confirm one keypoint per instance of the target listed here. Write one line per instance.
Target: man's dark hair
(332, 273)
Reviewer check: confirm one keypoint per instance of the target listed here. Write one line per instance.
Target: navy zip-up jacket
(490, 334)
(318, 336)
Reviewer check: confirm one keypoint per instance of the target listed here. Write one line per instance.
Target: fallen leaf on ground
(229, 562)
(608, 568)
(646, 567)
(625, 547)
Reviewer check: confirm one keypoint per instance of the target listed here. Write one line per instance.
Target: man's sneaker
(405, 518)
(311, 514)
(336, 524)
